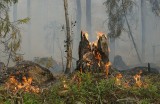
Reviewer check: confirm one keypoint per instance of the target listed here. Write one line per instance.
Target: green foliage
(29, 98)
(117, 10)
(87, 88)
(6, 3)
(144, 101)
(10, 36)
(23, 21)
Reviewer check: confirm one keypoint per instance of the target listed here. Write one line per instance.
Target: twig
(127, 99)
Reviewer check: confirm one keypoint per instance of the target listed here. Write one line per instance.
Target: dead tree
(103, 48)
(93, 57)
(84, 46)
(68, 39)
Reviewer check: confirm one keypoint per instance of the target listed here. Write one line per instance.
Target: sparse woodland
(94, 80)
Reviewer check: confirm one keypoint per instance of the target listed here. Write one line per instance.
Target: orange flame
(137, 78)
(99, 34)
(107, 65)
(86, 34)
(14, 85)
(65, 86)
(118, 79)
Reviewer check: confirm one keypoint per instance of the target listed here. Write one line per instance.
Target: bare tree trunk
(130, 33)
(135, 46)
(79, 13)
(143, 28)
(68, 39)
(88, 17)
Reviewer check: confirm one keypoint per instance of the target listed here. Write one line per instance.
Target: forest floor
(89, 88)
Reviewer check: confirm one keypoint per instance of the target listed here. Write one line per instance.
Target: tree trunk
(93, 57)
(79, 14)
(132, 38)
(143, 29)
(134, 44)
(88, 17)
(68, 39)
(29, 26)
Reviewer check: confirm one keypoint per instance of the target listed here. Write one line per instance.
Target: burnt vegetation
(94, 81)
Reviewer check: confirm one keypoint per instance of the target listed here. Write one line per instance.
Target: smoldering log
(93, 57)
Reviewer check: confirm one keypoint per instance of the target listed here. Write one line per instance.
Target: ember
(118, 79)
(107, 66)
(137, 78)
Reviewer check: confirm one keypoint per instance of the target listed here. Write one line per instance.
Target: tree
(156, 10)
(79, 13)
(68, 39)
(118, 10)
(10, 37)
(88, 16)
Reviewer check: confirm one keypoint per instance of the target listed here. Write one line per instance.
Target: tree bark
(93, 58)
(68, 39)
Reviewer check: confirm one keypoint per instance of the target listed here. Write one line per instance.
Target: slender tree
(78, 16)
(156, 10)
(118, 10)
(88, 17)
(68, 39)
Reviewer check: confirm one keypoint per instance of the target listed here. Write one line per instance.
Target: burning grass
(24, 84)
(95, 88)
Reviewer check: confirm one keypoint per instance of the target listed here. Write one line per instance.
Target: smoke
(45, 38)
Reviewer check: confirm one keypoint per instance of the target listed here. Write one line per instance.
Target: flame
(107, 65)
(118, 79)
(99, 34)
(65, 86)
(137, 78)
(86, 34)
(94, 44)
(126, 84)
(14, 85)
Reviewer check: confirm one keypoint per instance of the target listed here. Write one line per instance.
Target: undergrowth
(87, 88)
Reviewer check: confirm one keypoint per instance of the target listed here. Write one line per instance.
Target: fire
(99, 34)
(14, 85)
(137, 78)
(118, 79)
(86, 34)
(107, 65)
(94, 44)
(65, 86)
